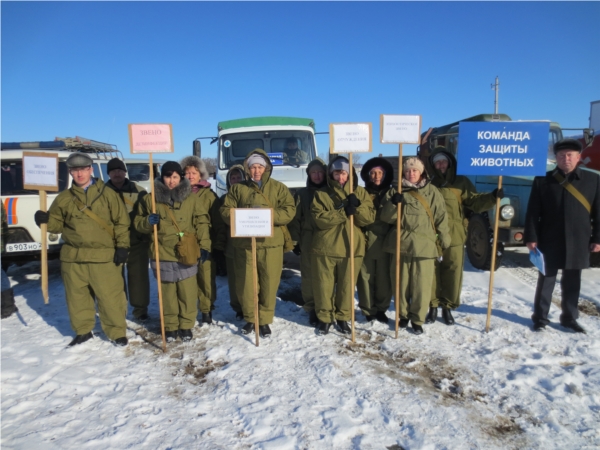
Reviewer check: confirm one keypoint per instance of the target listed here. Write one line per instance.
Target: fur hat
(115, 163)
(197, 163)
(413, 163)
(79, 159)
(568, 144)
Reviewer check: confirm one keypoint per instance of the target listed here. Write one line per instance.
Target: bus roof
(265, 121)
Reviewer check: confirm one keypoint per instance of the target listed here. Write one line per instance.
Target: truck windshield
(286, 147)
(12, 178)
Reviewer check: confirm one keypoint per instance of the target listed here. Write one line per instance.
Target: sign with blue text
(502, 148)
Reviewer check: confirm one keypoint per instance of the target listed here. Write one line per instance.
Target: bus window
(12, 178)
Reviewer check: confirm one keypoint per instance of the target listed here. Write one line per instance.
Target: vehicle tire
(479, 243)
(595, 259)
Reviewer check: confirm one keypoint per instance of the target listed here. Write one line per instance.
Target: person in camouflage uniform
(138, 281)
(302, 229)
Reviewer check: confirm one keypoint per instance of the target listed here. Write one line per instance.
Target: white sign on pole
(40, 171)
(350, 137)
(400, 129)
(251, 222)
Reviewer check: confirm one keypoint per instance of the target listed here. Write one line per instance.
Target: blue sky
(91, 68)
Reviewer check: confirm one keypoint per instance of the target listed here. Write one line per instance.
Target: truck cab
(289, 142)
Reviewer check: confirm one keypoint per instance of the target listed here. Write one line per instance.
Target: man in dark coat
(563, 222)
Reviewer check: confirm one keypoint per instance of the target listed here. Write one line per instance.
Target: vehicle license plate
(23, 247)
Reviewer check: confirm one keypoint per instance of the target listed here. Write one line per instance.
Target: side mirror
(197, 150)
(588, 136)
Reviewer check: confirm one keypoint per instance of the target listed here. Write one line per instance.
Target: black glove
(397, 198)
(352, 200)
(121, 255)
(498, 193)
(153, 219)
(350, 210)
(41, 217)
(297, 250)
(204, 255)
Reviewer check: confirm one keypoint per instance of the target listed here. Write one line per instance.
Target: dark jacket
(559, 223)
(378, 230)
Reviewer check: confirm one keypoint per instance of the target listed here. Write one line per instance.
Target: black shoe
(403, 323)
(381, 317)
(143, 318)
(264, 331)
(207, 318)
(323, 328)
(186, 335)
(248, 328)
(538, 326)
(370, 318)
(81, 338)
(418, 329)
(344, 327)
(171, 336)
(312, 318)
(121, 342)
(573, 325)
(8, 303)
(239, 316)
(447, 316)
(431, 315)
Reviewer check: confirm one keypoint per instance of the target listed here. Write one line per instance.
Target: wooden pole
(398, 237)
(493, 263)
(157, 259)
(44, 231)
(350, 180)
(255, 288)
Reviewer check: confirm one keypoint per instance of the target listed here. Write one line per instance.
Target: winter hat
(196, 163)
(256, 159)
(340, 164)
(413, 163)
(115, 163)
(567, 144)
(169, 167)
(79, 160)
(439, 157)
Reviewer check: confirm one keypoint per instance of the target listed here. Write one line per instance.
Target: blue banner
(276, 158)
(502, 148)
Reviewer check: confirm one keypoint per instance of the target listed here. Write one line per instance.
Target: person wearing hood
(195, 172)
(302, 229)
(95, 230)
(259, 190)
(331, 209)
(224, 245)
(177, 212)
(374, 284)
(424, 226)
(138, 281)
(459, 193)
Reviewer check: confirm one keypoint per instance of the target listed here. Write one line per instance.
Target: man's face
(235, 177)
(291, 146)
(376, 176)
(341, 176)
(412, 175)
(317, 176)
(192, 174)
(117, 176)
(441, 165)
(172, 181)
(256, 171)
(81, 175)
(567, 160)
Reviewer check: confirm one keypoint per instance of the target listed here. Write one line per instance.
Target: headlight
(507, 212)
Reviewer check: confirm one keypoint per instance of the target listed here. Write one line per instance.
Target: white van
(23, 242)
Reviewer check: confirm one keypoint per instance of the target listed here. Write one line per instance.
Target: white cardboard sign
(40, 171)
(400, 129)
(251, 222)
(151, 138)
(350, 137)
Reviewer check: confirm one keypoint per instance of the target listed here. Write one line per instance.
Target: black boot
(323, 328)
(171, 336)
(417, 329)
(207, 318)
(573, 325)
(403, 322)
(248, 328)
(186, 335)
(447, 316)
(121, 342)
(239, 315)
(431, 315)
(81, 338)
(344, 327)
(381, 317)
(264, 331)
(8, 303)
(312, 318)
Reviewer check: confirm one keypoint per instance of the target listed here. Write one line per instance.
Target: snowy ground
(453, 387)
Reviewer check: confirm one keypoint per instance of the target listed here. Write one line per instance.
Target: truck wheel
(479, 243)
(595, 259)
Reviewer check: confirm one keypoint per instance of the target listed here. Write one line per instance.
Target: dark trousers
(570, 284)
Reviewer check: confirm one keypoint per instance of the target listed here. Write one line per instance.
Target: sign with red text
(151, 138)
(350, 137)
